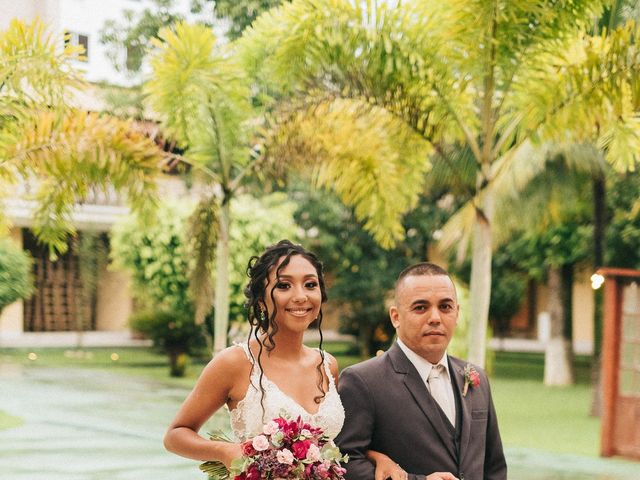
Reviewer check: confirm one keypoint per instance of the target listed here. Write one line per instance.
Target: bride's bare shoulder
(232, 360)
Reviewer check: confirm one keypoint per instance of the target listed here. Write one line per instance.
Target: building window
(78, 39)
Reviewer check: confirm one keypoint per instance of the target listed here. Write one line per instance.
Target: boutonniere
(471, 378)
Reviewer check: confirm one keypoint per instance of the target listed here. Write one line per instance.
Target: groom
(411, 403)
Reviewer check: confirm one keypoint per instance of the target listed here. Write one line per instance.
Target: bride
(274, 370)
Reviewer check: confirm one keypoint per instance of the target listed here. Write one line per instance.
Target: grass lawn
(553, 419)
(530, 414)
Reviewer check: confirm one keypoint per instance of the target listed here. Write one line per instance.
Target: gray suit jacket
(389, 409)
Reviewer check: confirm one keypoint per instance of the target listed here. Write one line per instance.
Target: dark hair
(260, 319)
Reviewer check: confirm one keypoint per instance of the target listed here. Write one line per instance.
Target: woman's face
(296, 293)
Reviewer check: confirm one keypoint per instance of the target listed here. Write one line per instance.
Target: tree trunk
(480, 288)
(365, 333)
(221, 314)
(177, 362)
(599, 224)
(558, 369)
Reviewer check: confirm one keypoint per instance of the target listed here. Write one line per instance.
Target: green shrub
(16, 281)
(174, 333)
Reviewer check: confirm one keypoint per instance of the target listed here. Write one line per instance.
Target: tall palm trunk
(599, 225)
(221, 305)
(480, 287)
(558, 369)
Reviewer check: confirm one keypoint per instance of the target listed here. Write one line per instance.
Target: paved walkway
(96, 425)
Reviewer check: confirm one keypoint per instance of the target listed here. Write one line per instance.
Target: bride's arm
(212, 390)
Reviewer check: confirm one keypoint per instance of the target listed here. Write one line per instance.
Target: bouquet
(286, 449)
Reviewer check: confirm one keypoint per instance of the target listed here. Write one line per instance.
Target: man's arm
(495, 465)
(355, 437)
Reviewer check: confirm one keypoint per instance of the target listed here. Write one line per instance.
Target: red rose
(475, 379)
(253, 473)
(247, 449)
(300, 448)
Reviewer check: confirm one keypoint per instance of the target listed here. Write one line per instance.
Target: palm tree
(203, 99)
(494, 76)
(62, 152)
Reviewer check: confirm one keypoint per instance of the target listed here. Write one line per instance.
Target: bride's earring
(263, 317)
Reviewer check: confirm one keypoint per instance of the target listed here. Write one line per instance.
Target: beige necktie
(437, 387)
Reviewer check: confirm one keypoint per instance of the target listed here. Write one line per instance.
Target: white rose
(260, 443)
(313, 454)
(285, 456)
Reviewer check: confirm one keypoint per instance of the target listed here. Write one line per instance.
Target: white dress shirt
(424, 367)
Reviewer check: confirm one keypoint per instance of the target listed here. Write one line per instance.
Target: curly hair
(263, 321)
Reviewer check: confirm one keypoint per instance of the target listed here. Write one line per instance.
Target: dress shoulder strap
(245, 348)
(326, 364)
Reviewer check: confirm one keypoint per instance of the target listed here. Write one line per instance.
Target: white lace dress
(247, 420)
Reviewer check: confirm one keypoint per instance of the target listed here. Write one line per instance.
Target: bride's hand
(385, 467)
(231, 452)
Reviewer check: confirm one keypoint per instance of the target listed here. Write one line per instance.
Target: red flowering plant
(471, 378)
(286, 449)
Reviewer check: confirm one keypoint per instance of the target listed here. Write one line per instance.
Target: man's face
(425, 314)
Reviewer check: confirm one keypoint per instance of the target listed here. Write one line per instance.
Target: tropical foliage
(62, 153)
(15, 273)
(494, 77)
(161, 256)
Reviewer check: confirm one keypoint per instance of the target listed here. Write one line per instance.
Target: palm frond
(588, 93)
(367, 156)
(67, 157)
(395, 57)
(34, 71)
(201, 96)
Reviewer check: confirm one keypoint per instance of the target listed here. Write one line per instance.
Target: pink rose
(313, 454)
(270, 428)
(300, 448)
(285, 456)
(260, 443)
(322, 471)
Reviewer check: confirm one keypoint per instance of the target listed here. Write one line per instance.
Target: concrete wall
(114, 301)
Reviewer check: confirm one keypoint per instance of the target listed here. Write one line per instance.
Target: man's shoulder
(367, 367)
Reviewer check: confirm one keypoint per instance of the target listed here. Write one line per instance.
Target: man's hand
(441, 476)
(385, 467)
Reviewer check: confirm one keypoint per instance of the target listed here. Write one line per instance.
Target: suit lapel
(418, 390)
(458, 374)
